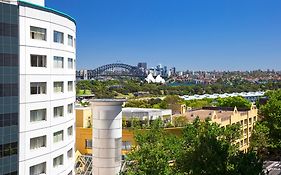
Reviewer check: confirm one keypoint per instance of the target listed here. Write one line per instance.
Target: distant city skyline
(194, 35)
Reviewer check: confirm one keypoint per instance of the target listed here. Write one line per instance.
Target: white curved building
(45, 49)
(47, 71)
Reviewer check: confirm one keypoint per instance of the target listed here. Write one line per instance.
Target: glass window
(70, 108)
(70, 63)
(38, 33)
(58, 62)
(245, 122)
(38, 88)
(58, 37)
(88, 144)
(58, 111)
(70, 86)
(58, 161)
(58, 136)
(58, 87)
(38, 169)
(70, 131)
(126, 145)
(70, 153)
(38, 60)
(8, 149)
(70, 40)
(38, 142)
(38, 115)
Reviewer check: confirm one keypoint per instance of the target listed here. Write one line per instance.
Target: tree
(180, 121)
(238, 102)
(204, 148)
(172, 102)
(246, 163)
(199, 103)
(208, 150)
(154, 151)
(260, 139)
(267, 134)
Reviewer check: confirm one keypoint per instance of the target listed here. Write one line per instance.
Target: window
(70, 154)
(8, 149)
(38, 60)
(38, 115)
(58, 161)
(38, 142)
(70, 86)
(126, 145)
(70, 108)
(58, 62)
(38, 88)
(58, 37)
(58, 136)
(70, 131)
(70, 40)
(88, 144)
(245, 142)
(245, 122)
(38, 169)
(58, 111)
(70, 63)
(38, 33)
(58, 87)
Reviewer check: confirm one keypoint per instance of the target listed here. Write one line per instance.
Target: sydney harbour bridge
(116, 69)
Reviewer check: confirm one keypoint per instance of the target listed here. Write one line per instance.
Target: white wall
(27, 130)
(38, 2)
(107, 136)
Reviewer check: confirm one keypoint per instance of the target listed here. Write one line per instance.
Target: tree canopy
(267, 133)
(238, 102)
(203, 148)
(112, 88)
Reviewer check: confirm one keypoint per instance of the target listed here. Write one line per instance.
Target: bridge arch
(102, 70)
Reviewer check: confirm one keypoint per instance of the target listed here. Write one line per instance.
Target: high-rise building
(142, 65)
(37, 93)
(173, 71)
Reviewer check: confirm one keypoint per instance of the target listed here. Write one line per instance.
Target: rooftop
(143, 110)
(47, 9)
(213, 96)
(205, 113)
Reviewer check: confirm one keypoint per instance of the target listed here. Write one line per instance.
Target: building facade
(38, 78)
(9, 87)
(229, 116)
(84, 129)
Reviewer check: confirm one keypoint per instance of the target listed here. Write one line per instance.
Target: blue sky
(187, 34)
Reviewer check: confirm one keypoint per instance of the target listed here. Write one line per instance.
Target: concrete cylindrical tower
(107, 136)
